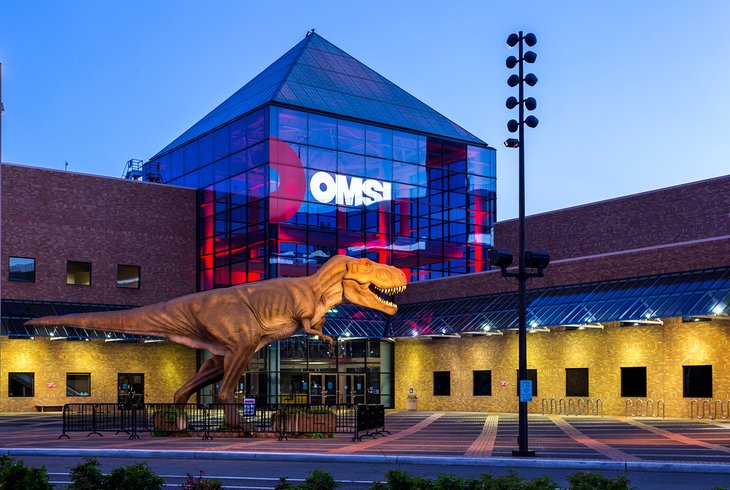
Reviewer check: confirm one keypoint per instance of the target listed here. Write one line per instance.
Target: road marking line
(360, 446)
(483, 446)
(598, 446)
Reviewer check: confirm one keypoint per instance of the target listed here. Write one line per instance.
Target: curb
(572, 464)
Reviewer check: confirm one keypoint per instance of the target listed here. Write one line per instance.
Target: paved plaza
(461, 436)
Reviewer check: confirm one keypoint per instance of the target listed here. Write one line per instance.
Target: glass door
(316, 389)
(352, 388)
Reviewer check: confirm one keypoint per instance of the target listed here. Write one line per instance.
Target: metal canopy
(685, 294)
(697, 293)
(16, 312)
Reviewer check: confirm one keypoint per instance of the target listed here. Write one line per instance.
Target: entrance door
(352, 388)
(322, 389)
(130, 388)
(316, 387)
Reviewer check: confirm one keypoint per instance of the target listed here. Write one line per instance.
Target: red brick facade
(56, 216)
(680, 228)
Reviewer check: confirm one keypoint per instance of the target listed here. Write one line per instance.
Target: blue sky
(632, 95)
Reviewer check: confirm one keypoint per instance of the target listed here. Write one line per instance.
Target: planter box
(304, 422)
(169, 421)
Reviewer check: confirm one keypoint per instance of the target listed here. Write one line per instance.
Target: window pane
(442, 383)
(78, 273)
(21, 269)
(576, 381)
(482, 383)
(20, 384)
(78, 384)
(697, 381)
(128, 276)
(351, 137)
(293, 126)
(633, 381)
(322, 131)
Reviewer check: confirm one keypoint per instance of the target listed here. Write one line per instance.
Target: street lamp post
(527, 260)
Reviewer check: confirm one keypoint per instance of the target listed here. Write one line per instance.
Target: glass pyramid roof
(315, 74)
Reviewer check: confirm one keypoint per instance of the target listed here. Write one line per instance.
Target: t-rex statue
(234, 322)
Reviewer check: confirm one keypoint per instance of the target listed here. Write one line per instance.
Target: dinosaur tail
(146, 320)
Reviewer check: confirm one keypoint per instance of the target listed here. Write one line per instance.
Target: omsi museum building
(318, 156)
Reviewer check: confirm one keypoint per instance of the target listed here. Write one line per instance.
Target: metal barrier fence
(370, 420)
(282, 420)
(712, 409)
(572, 406)
(644, 408)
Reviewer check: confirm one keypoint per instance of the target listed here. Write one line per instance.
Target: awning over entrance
(641, 299)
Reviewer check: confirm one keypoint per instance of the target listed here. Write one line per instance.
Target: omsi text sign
(348, 191)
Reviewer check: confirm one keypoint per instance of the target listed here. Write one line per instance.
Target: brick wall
(662, 349)
(57, 216)
(672, 215)
(166, 366)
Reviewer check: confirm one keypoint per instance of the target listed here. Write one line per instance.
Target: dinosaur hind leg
(234, 365)
(210, 372)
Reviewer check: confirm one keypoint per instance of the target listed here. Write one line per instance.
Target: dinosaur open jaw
(381, 294)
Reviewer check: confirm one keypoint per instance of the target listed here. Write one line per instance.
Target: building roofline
(618, 198)
(84, 174)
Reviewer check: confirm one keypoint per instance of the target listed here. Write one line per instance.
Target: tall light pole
(531, 260)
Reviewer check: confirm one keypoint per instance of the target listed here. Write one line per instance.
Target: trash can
(412, 402)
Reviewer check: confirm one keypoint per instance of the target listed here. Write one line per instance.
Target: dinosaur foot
(234, 421)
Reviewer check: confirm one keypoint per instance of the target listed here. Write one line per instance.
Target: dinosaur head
(369, 284)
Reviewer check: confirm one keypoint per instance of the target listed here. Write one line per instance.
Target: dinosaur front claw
(327, 338)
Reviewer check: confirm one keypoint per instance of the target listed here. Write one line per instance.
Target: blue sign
(525, 390)
(249, 406)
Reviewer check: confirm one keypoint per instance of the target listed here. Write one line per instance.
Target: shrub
(200, 483)
(134, 477)
(445, 481)
(595, 481)
(86, 476)
(319, 480)
(14, 475)
(400, 480)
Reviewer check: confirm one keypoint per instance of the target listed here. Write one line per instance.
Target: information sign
(525, 390)
(249, 406)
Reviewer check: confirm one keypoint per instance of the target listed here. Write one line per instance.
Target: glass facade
(282, 190)
(302, 370)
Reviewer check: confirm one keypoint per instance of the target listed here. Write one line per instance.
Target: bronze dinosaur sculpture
(233, 323)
